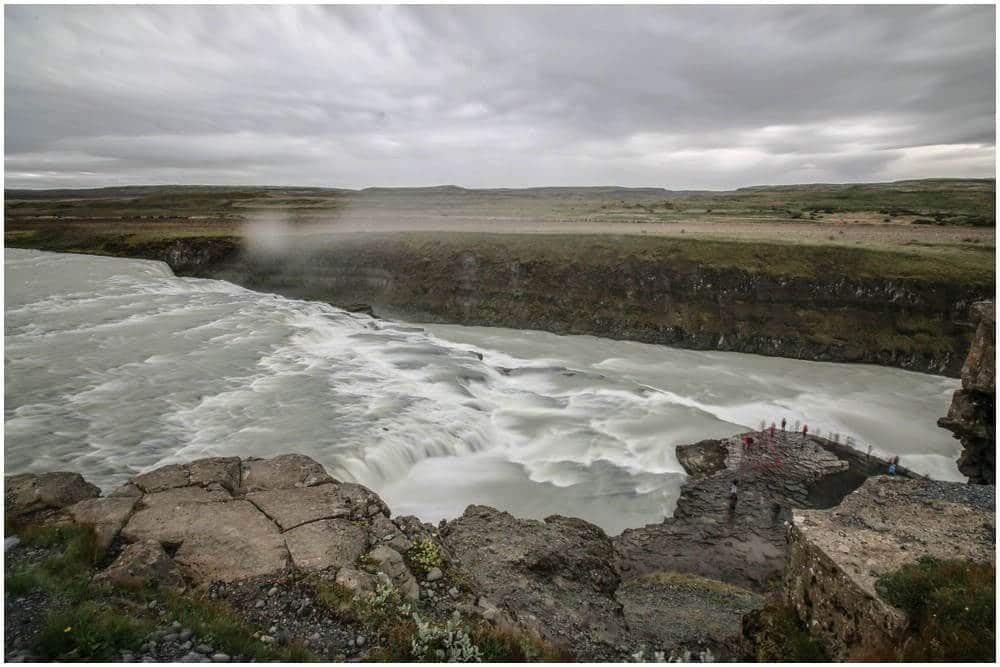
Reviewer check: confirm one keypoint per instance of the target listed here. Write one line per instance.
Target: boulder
(327, 543)
(392, 564)
(288, 471)
(142, 564)
(105, 515)
(28, 493)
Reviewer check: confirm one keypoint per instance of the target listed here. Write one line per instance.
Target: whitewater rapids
(116, 366)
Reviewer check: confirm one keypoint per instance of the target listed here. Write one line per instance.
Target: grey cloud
(677, 96)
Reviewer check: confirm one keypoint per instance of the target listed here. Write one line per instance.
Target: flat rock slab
(327, 543)
(293, 507)
(289, 471)
(161, 479)
(224, 471)
(186, 495)
(30, 492)
(106, 515)
(228, 541)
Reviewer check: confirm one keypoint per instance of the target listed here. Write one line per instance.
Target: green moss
(950, 606)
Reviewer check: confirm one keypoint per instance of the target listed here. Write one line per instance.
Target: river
(116, 366)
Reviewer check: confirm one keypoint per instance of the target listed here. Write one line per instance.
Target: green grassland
(966, 202)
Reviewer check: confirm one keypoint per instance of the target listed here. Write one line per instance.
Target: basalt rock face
(837, 555)
(971, 416)
(594, 289)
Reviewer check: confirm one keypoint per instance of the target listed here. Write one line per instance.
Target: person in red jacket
(805, 429)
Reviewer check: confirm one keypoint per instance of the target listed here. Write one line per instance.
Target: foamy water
(116, 366)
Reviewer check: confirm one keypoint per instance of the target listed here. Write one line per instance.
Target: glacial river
(115, 366)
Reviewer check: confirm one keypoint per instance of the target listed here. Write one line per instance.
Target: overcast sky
(678, 97)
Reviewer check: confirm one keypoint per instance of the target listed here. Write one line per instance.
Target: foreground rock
(837, 555)
(556, 577)
(972, 415)
(245, 530)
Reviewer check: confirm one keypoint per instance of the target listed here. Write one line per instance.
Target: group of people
(749, 443)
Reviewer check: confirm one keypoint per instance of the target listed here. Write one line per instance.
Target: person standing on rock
(892, 468)
(732, 496)
(783, 422)
(805, 429)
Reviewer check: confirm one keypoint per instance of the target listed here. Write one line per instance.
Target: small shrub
(500, 645)
(424, 555)
(443, 643)
(382, 607)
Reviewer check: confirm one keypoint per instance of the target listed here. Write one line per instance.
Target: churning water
(116, 366)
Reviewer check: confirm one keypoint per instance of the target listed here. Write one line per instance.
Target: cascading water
(115, 366)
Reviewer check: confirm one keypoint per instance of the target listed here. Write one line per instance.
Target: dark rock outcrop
(556, 577)
(972, 416)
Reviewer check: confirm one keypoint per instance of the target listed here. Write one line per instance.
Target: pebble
(170, 637)
(186, 646)
(10, 542)
(128, 657)
(191, 657)
(203, 648)
(360, 641)
(267, 639)
(454, 593)
(273, 629)
(273, 591)
(259, 604)
(185, 635)
(152, 604)
(220, 657)
(434, 574)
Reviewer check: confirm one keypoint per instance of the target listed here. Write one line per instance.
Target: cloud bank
(679, 97)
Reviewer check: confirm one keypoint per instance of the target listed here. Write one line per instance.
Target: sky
(680, 97)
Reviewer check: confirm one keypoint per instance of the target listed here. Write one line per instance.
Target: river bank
(903, 306)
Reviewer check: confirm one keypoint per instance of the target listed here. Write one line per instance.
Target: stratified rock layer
(972, 416)
(837, 555)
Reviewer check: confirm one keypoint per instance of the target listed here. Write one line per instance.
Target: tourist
(772, 430)
(732, 496)
(783, 422)
(892, 468)
(805, 429)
